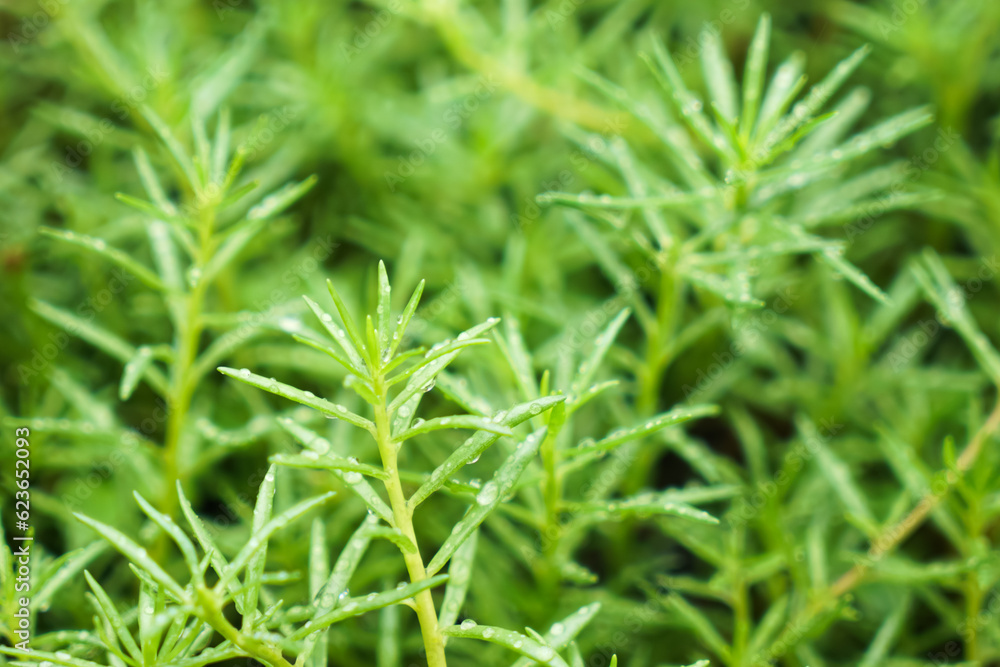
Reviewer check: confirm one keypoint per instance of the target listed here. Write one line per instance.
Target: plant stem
(658, 339)
(186, 339)
(887, 540)
(403, 518)
(973, 590)
(741, 600)
(211, 611)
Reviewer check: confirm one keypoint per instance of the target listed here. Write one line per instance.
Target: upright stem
(656, 340)
(187, 336)
(973, 590)
(403, 518)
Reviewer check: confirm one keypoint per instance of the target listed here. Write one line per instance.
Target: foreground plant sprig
(393, 383)
(193, 242)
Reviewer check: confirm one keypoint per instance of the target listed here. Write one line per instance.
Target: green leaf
(404, 320)
(686, 103)
(512, 346)
(277, 202)
(59, 658)
(171, 529)
(384, 311)
(817, 96)
(173, 145)
(472, 449)
(718, 73)
(563, 632)
(311, 459)
(664, 503)
(395, 536)
(388, 648)
(218, 561)
(113, 618)
(699, 624)
(460, 573)
(753, 77)
(492, 493)
(134, 370)
(835, 259)
(64, 569)
(113, 255)
(336, 585)
(879, 136)
(785, 85)
(151, 183)
(237, 240)
(258, 540)
(456, 421)
(950, 300)
(355, 481)
(356, 606)
(661, 421)
(602, 343)
(134, 553)
(98, 337)
(345, 316)
(838, 476)
(168, 266)
(674, 199)
(887, 635)
(304, 397)
(530, 648)
(255, 567)
(353, 362)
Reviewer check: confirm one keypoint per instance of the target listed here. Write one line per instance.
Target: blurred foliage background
(432, 126)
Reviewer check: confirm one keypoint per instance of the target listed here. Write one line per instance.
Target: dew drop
(244, 372)
(468, 624)
(289, 324)
(488, 494)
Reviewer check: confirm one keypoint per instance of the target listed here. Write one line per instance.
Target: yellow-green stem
(403, 518)
(187, 337)
(211, 612)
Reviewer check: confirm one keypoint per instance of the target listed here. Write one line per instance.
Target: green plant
(377, 368)
(757, 318)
